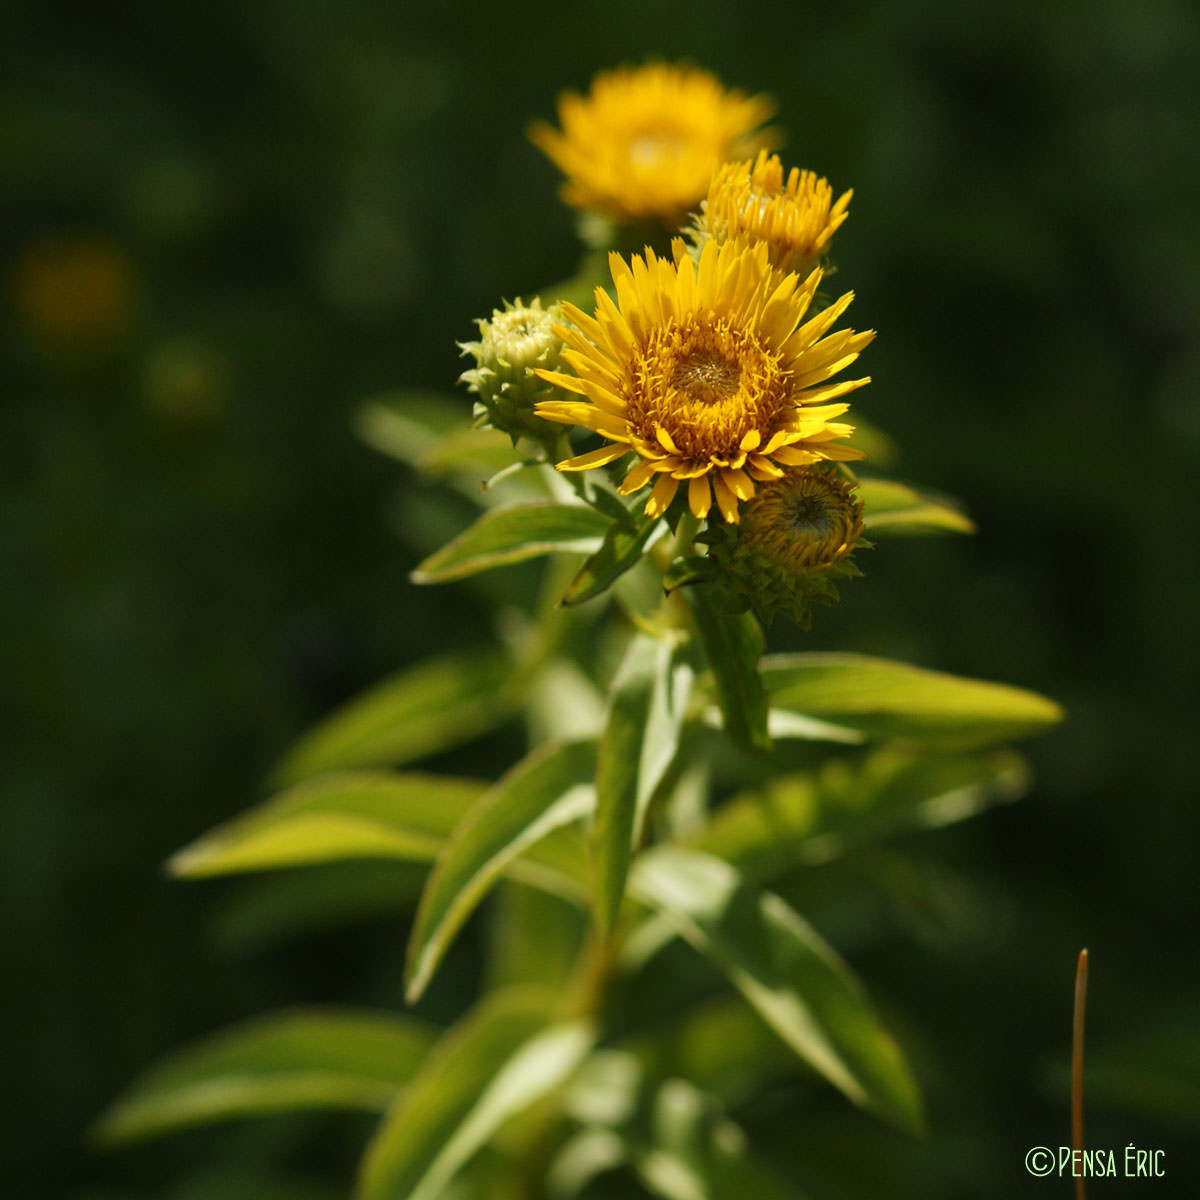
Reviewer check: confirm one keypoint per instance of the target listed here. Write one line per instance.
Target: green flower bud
(794, 540)
(515, 341)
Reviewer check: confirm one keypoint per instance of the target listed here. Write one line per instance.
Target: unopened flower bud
(517, 339)
(794, 540)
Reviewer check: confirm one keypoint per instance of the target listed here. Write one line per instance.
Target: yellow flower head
(796, 217)
(794, 541)
(709, 373)
(643, 145)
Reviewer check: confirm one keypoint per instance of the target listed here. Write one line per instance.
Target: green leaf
(417, 712)
(498, 1061)
(549, 789)
(676, 1137)
(891, 507)
(695, 1152)
(409, 425)
(733, 645)
(789, 975)
(623, 547)
(362, 814)
(512, 535)
(884, 699)
(349, 814)
(812, 818)
(641, 737)
(301, 1059)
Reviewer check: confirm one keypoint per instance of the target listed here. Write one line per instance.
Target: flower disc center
(706, 378)
(813, 514)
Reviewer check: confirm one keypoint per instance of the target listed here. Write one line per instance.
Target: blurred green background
(226, 224)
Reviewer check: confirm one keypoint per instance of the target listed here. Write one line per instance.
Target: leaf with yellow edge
(883, 699)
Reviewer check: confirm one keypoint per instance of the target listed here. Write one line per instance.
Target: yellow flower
(796, 217)
(794, 541)
(643, 145)
(709, 373)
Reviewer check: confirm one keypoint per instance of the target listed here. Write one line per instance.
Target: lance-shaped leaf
(884, 699)
(511, 535)
(549, 789)
(493, 1065)
(417, 712)
(789, 975)
(641, 737)
(300, 1059)
(813, 817)
(623, 546)
(892, 507)
(408, 425)
(733, 646)
(348, 815)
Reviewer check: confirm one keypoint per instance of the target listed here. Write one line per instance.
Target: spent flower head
(796, 217)
(516, 340)
(708, 373)
(645, 141)
(794, 541)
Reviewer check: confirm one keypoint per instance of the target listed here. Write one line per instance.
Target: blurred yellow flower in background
(706, 372)
(796, 217)
(644, 143)
(75, 291)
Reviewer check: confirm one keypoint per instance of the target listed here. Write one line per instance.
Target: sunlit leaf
(791, 977)
(549, 789)
(812, 817)
(884, 699)
(417, 712)
(641, 737)
(512, 535)
(498, 1061)
(693, 1151)
(300, 1059)
(892, 507)
(676, 1138)
(623, 546)
(348, 815)
(733, 646)
(407, 425)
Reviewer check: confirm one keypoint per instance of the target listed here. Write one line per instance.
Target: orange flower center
(706, 384)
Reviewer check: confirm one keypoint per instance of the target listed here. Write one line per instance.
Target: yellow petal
(793, 456)
(594, 458)
(637, 478)
(762, 469)
(668, 442)
(662, 495)
(740, 484)
(699, 496)
(726, 500)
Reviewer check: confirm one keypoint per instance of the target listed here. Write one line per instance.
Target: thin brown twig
(1081, 976)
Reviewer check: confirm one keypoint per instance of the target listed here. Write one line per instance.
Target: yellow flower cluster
(712, 371)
